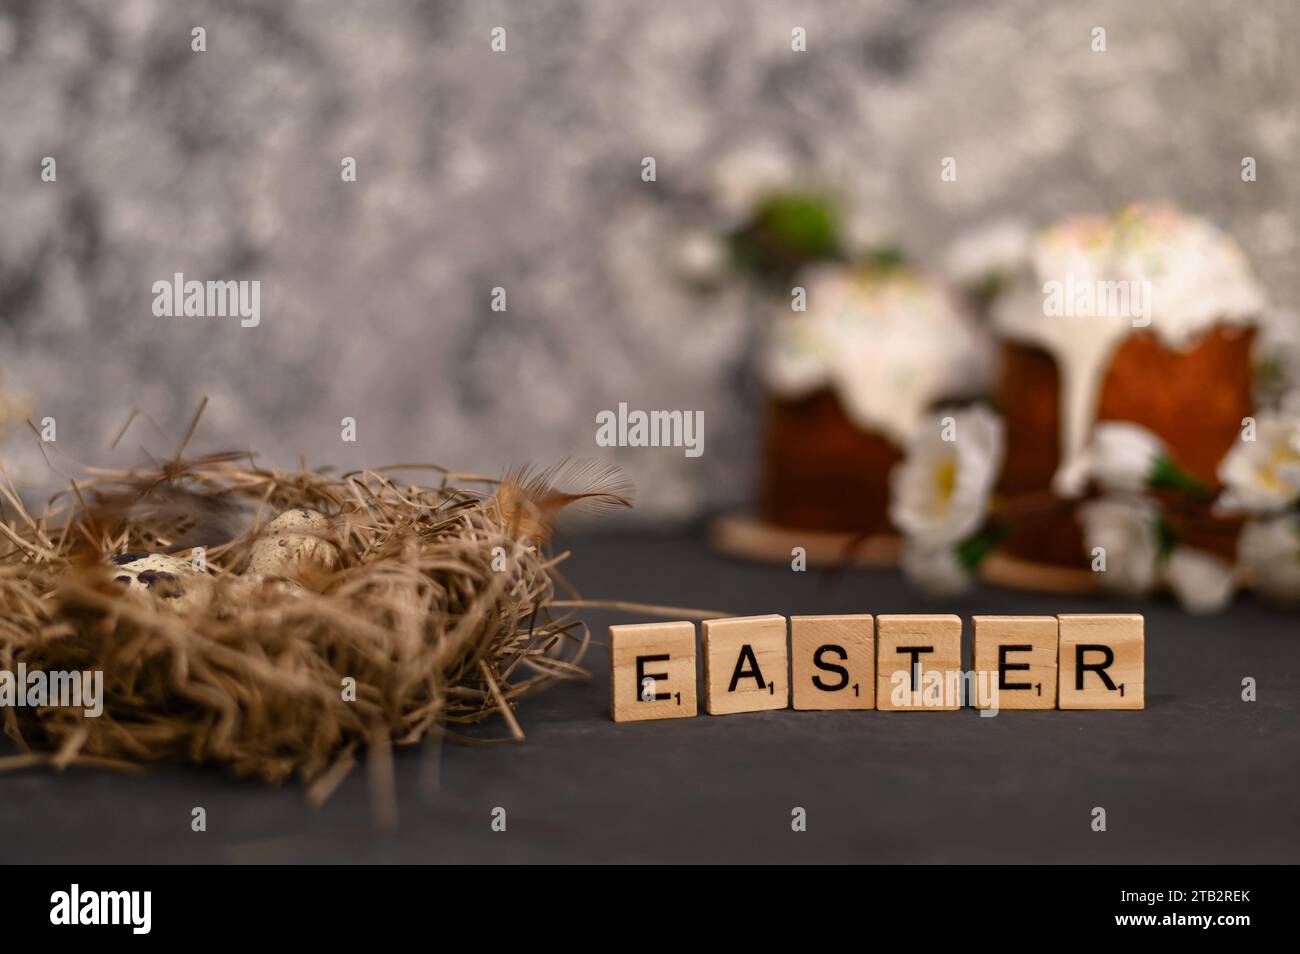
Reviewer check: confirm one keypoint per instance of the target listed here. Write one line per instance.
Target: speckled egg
(293, 544)
(257, 590)
(174, 582)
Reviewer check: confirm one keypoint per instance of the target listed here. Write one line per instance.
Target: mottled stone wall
(522, 169)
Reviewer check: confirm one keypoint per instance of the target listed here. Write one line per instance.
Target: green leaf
(1166, 473)
(789, 230)
(807, 225)
(885, 257)
(972, 551)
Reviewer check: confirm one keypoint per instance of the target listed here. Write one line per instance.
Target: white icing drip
(1185, 276)
(889, 344)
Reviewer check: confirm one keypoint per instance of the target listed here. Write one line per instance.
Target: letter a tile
(746, 667)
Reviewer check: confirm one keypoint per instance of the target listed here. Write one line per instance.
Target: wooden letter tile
(1102, 662)
(933, 643)
(833, 662)
(745, 664)
(1019, 654)
(652, 671)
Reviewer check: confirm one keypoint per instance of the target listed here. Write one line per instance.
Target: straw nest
(427, 609)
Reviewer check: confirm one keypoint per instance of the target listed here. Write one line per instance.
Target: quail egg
(171, 580)
(295, 543)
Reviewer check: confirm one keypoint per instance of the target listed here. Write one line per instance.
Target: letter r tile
(1102, 663)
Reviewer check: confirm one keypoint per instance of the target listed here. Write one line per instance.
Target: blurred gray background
(522, 169)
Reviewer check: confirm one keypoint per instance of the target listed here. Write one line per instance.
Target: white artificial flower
(1126, 529)
(940, 492)
(1001, 248)
(1268, 551)
(937, 570)
(1263, 475)
(1203, 582)
(1121, 458)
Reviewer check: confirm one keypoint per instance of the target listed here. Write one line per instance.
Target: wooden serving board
(1017, 574)
(745, 536)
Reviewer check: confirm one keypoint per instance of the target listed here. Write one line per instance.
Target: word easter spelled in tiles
(886, 663)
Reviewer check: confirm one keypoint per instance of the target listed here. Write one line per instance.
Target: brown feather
(529, 501)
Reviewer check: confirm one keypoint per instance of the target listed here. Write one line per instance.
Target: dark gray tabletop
(1199, 776)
